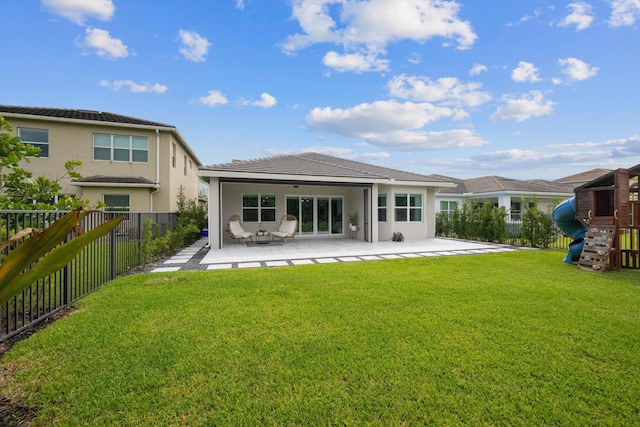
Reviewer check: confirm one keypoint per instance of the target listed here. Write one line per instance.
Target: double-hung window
(39, 138)
(408, 207)
(120, 148)
(382, 207)
(258, 208)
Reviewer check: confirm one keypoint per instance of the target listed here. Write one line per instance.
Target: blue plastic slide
(565, 218)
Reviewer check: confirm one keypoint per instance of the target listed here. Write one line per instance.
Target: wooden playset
(610, 208)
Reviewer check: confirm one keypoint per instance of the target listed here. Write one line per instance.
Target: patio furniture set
(286, 230)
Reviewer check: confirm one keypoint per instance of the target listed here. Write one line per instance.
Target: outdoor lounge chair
(235, 229)
(287, 229)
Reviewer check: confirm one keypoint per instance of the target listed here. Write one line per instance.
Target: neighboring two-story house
(128, 163)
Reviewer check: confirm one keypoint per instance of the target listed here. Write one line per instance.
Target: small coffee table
(263, 239)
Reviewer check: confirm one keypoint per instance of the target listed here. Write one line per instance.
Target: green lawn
(499, 339)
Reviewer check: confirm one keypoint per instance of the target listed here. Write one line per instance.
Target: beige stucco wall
(74, 141)
(418, 230)
(138, 197)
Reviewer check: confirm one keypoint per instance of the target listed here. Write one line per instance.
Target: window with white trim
(39, 138)
(185, 165)
(448, 207)
(258, 208)
(382, 208)
(116, 202)
(408, 207)
(174, 150)
(120, 148)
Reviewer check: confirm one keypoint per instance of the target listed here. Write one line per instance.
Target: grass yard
(511, 339)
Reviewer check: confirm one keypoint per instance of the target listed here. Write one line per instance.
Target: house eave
(289, 178)
(115, 184)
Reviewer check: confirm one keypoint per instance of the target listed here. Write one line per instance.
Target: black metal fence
(116, 254)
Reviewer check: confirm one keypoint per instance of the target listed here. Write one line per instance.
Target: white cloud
(576, 70)
(135, 87)
(369, 26)
(194, 46)
(240, 4)
(104, 45)
(392, 124)
(624, 12)
(448, 91)
(581, 16)
(531, 104)
(414, 58)
(356, 62)
(525, 72)
(477, 69)
(266, 101)
(536, 14)
(213, 98)
(78, 11)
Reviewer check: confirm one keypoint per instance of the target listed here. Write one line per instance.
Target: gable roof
(83, 115)
(315, 167)
(499, 184)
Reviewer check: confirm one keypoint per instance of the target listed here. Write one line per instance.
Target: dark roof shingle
(89, 115)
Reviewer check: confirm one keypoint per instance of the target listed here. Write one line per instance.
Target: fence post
(112, 248)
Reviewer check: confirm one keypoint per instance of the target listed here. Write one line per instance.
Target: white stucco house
(321, 192)
(512, 194)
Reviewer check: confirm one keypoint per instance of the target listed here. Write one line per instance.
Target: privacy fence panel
(102, 260)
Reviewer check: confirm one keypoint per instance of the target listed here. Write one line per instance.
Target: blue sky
(524, 89)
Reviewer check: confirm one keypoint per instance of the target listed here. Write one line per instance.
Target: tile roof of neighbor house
(89, 115)
(585, 176)
(608, 179)
(496, 184)
(320, 165)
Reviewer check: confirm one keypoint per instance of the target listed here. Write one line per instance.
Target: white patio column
(215, 226)
(373, 216)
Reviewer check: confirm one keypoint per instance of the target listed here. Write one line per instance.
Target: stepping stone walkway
(189, 258)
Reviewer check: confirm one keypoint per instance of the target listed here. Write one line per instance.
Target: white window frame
(448, 206)
(114, 148)
(42, 145)
(382, 208)
(410, 209)
(262, 199)
(109, 208)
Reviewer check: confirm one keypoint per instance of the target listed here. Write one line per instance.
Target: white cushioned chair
(287, 229)
(235, 229)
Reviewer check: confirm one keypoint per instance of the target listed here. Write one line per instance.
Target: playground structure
(603, 219)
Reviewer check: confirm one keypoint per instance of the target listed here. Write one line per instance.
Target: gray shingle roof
(585, 176)
(89, 115)
(496, 184)
(321, 165)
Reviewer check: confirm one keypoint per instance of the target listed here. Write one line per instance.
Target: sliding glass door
(317, 215)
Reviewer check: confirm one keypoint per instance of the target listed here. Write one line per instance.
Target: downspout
(157, 183)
